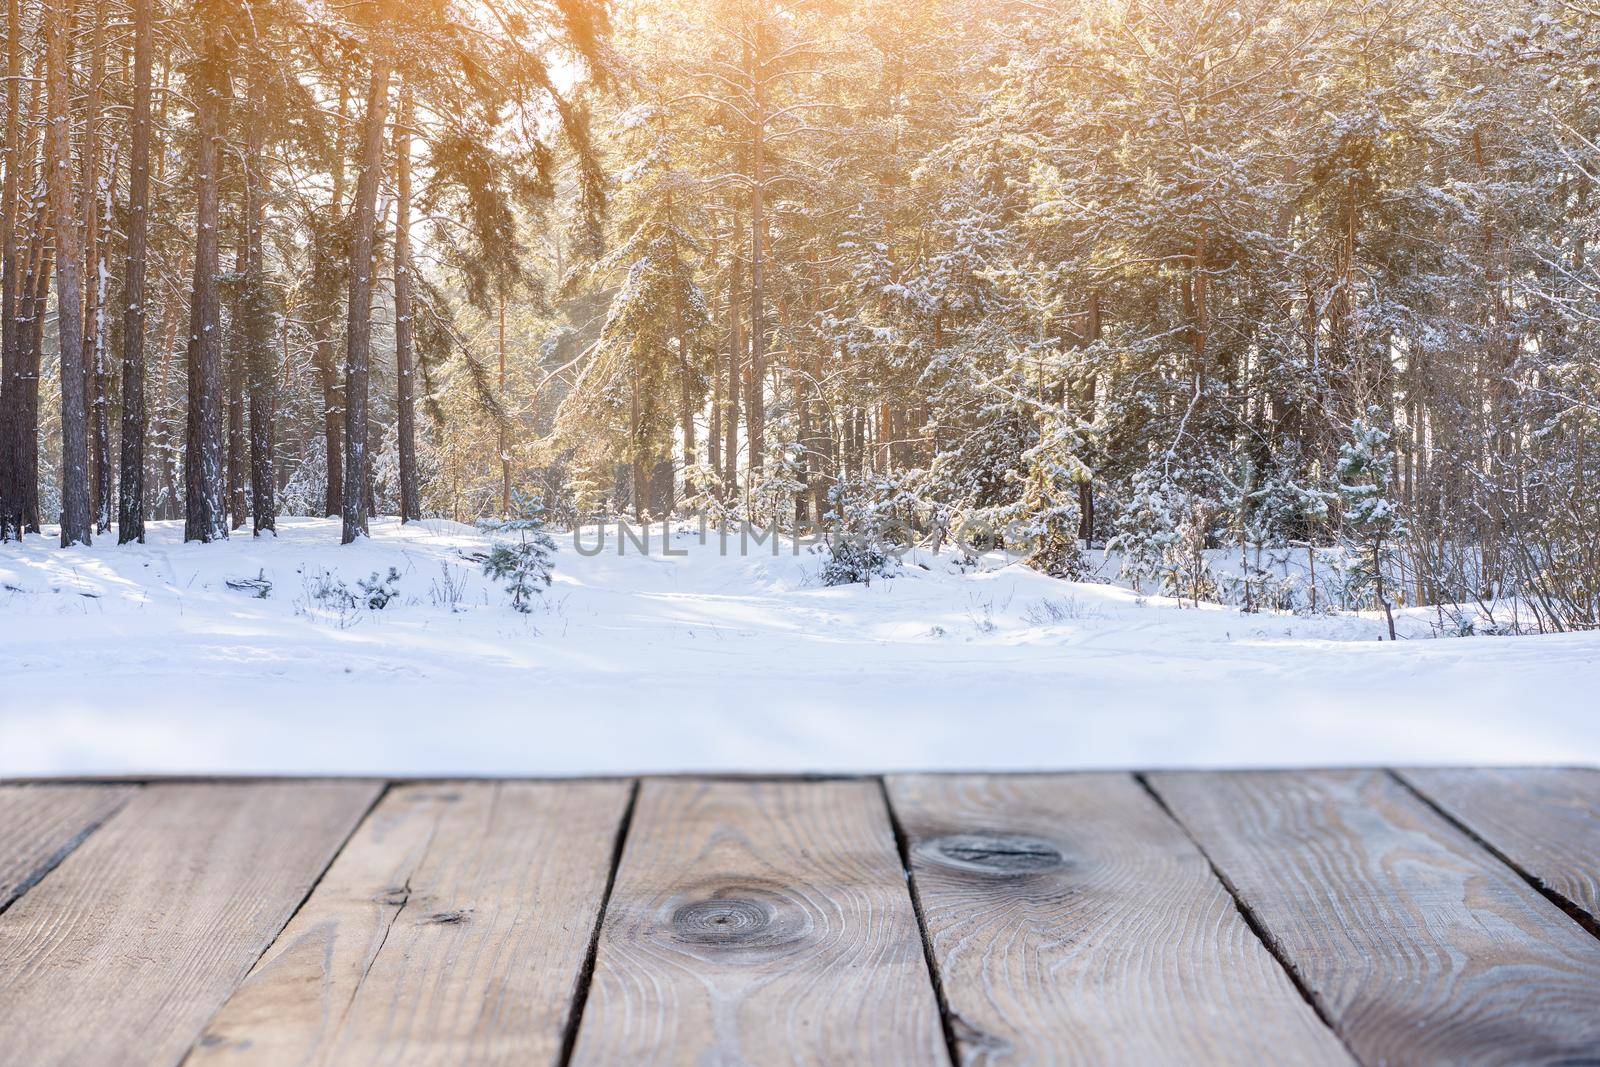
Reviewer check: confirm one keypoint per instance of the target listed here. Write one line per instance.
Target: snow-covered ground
(142, 659)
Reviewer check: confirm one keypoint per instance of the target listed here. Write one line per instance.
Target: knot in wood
(995, 853)
(721, 922)
(740, 918)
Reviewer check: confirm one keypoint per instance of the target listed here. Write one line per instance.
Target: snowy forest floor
(139, 659)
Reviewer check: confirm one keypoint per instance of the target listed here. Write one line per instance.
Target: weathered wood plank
(1073, 921)
(124, 951)
(760, 922)
(1417, 944)
(452, 929)
(1546, 820)
(41, 824)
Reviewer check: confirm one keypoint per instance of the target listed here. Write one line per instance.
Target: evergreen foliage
(1372, 522)
(522, 553)
(861, 535)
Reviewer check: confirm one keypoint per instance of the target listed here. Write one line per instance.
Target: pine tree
(1048, 517)
(135, 314)
(358, 333)
(650, 365)
(1372, 525)
(521, 553)
(205, 507)
(76, 516)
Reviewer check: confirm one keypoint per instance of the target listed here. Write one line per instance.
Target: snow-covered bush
(376, 592)
(1372, 522)
(305, 490)
(1270, 515)
(861, 531)
(1146, 530)
(850, 562)
(521, 553)
(1049, 514)
(1163, 533)
(774, 487)
(704, 496)
(590, 494)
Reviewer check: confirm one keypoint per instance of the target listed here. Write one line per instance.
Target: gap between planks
(1574, 910)
(580, 997)
(1248, 914)
(902, 845)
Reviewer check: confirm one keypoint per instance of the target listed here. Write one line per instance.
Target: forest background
(1269, 276)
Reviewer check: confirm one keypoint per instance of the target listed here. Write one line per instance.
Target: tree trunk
(256, 322)
(1086, 487)
(714, 427)
(42, 259)
(686, 394)
(238, 462)
(95, 199)
(404, 333)
(130, 516)
(501, 439)
(755, 400)
(637, 468)
(662, 500)
(205, 509)
(76, 515)
(358, 335)
(11, 380)
(332, 417)
(329, 272)
(730, 412)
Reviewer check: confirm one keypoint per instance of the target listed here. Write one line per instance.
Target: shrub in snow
(775, 486)
(1162, 533)
(1146, 530)
(590, 493)
(860, 531)
(1372, 523)
(521, 553)
(372, 592)
(704, 495)
(376, 592)
(850, 561)
(1190, 575)
(448, 589)
(1049, 514)
(326, 589)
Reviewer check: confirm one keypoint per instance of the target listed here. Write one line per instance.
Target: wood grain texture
(1420, 946)
(760, 922)
(452, 929)
(1073, 921)
(41, 824)
(1545, 820)
(124, 951)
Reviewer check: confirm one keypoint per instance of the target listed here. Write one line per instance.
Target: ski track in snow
(139, 659)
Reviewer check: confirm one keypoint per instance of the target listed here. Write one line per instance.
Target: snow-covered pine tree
(590, 493)
(522, 552)
(1284, 512)
(1372, 525)
(861, 523)
(776, 484)
(704, 497)
(649, 368)
(1268, 514)
(1049, 516)
(1145, 532)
